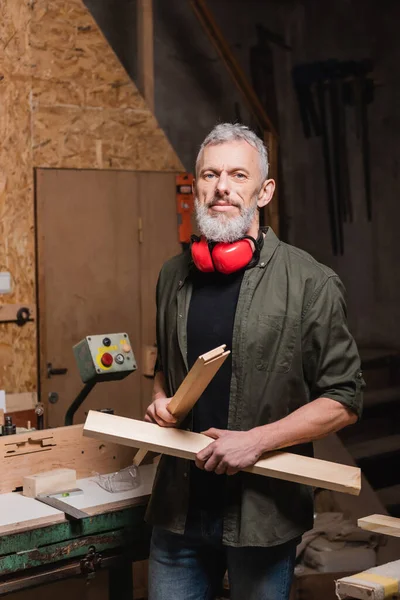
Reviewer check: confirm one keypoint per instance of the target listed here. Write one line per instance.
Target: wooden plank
(17, 402)
(48, 482)
(63, 447)
(381, 524)
(139, 456)
(145, 50)
(185, 444)
(196, 381)
(8, 312)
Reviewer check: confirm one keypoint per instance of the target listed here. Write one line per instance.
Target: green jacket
(290, 346)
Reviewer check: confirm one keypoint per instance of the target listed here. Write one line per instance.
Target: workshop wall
(193, 92)
(66, 102)
(348, 30)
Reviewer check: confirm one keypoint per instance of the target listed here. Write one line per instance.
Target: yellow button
(126, 347)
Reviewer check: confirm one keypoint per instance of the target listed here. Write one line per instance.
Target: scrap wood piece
(48, 482)
(186, 444)
(377, 583)
(381, 524)
(196, 381)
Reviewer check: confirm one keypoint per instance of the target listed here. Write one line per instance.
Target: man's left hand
(231, 451)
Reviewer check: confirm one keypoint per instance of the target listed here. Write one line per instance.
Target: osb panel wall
(65, 102)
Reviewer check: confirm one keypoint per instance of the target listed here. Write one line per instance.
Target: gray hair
(232, 132)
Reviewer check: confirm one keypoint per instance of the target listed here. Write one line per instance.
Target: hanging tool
(344, 83)
(336, 238)
(304, 77)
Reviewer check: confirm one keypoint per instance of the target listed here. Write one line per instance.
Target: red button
(107, 359)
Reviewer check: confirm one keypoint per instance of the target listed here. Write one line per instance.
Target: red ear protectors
(222, 256)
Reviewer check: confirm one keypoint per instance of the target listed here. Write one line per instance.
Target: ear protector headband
(225, 257)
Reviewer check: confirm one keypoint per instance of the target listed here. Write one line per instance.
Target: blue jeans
(192, 566)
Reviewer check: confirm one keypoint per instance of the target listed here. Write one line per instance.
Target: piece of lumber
(48, 482)
(62, 447)
(185, 444)
(145, 50)
(139, 456)
(196, 381)
(377, 583)
(381, 524)
(17, 402)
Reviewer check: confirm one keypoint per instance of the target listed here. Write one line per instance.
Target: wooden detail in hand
(196, 381)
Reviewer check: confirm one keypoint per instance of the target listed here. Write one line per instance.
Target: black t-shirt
(210, 324)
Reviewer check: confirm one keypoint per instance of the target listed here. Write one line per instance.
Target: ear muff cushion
(201, 256)
(230, 257)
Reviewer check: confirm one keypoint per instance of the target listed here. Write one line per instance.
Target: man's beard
(221, 228)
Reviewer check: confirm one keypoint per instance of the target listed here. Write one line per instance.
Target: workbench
(42, 545)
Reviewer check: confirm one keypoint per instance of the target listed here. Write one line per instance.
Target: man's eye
(209, 175)
(240, 175)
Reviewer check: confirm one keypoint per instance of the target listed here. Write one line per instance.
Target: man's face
(228, 189)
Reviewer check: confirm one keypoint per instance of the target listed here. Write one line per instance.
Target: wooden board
(381, 524)
(48, 482)
(196, 381)
(145, 50)
(63, 447)
(185, 444)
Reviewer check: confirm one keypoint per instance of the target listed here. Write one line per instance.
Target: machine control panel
(104, 357)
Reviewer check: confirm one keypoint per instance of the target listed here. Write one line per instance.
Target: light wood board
(196, 381)
(185, 444)
(48, 482)
(20, 513)
(381, 524)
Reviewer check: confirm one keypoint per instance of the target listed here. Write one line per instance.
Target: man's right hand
(157, 412)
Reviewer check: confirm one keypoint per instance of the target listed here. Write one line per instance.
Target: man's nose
(223, 184)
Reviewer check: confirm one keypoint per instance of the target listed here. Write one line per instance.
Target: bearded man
(293, 376)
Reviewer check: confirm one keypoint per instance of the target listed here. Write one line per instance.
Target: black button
(106, 342)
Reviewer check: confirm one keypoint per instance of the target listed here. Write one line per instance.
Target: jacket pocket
(276, 343)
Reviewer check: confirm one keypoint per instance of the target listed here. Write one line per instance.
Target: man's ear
(194, 187)
(266, 193)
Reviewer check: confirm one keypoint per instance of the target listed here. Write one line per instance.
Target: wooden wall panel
(66, 102)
